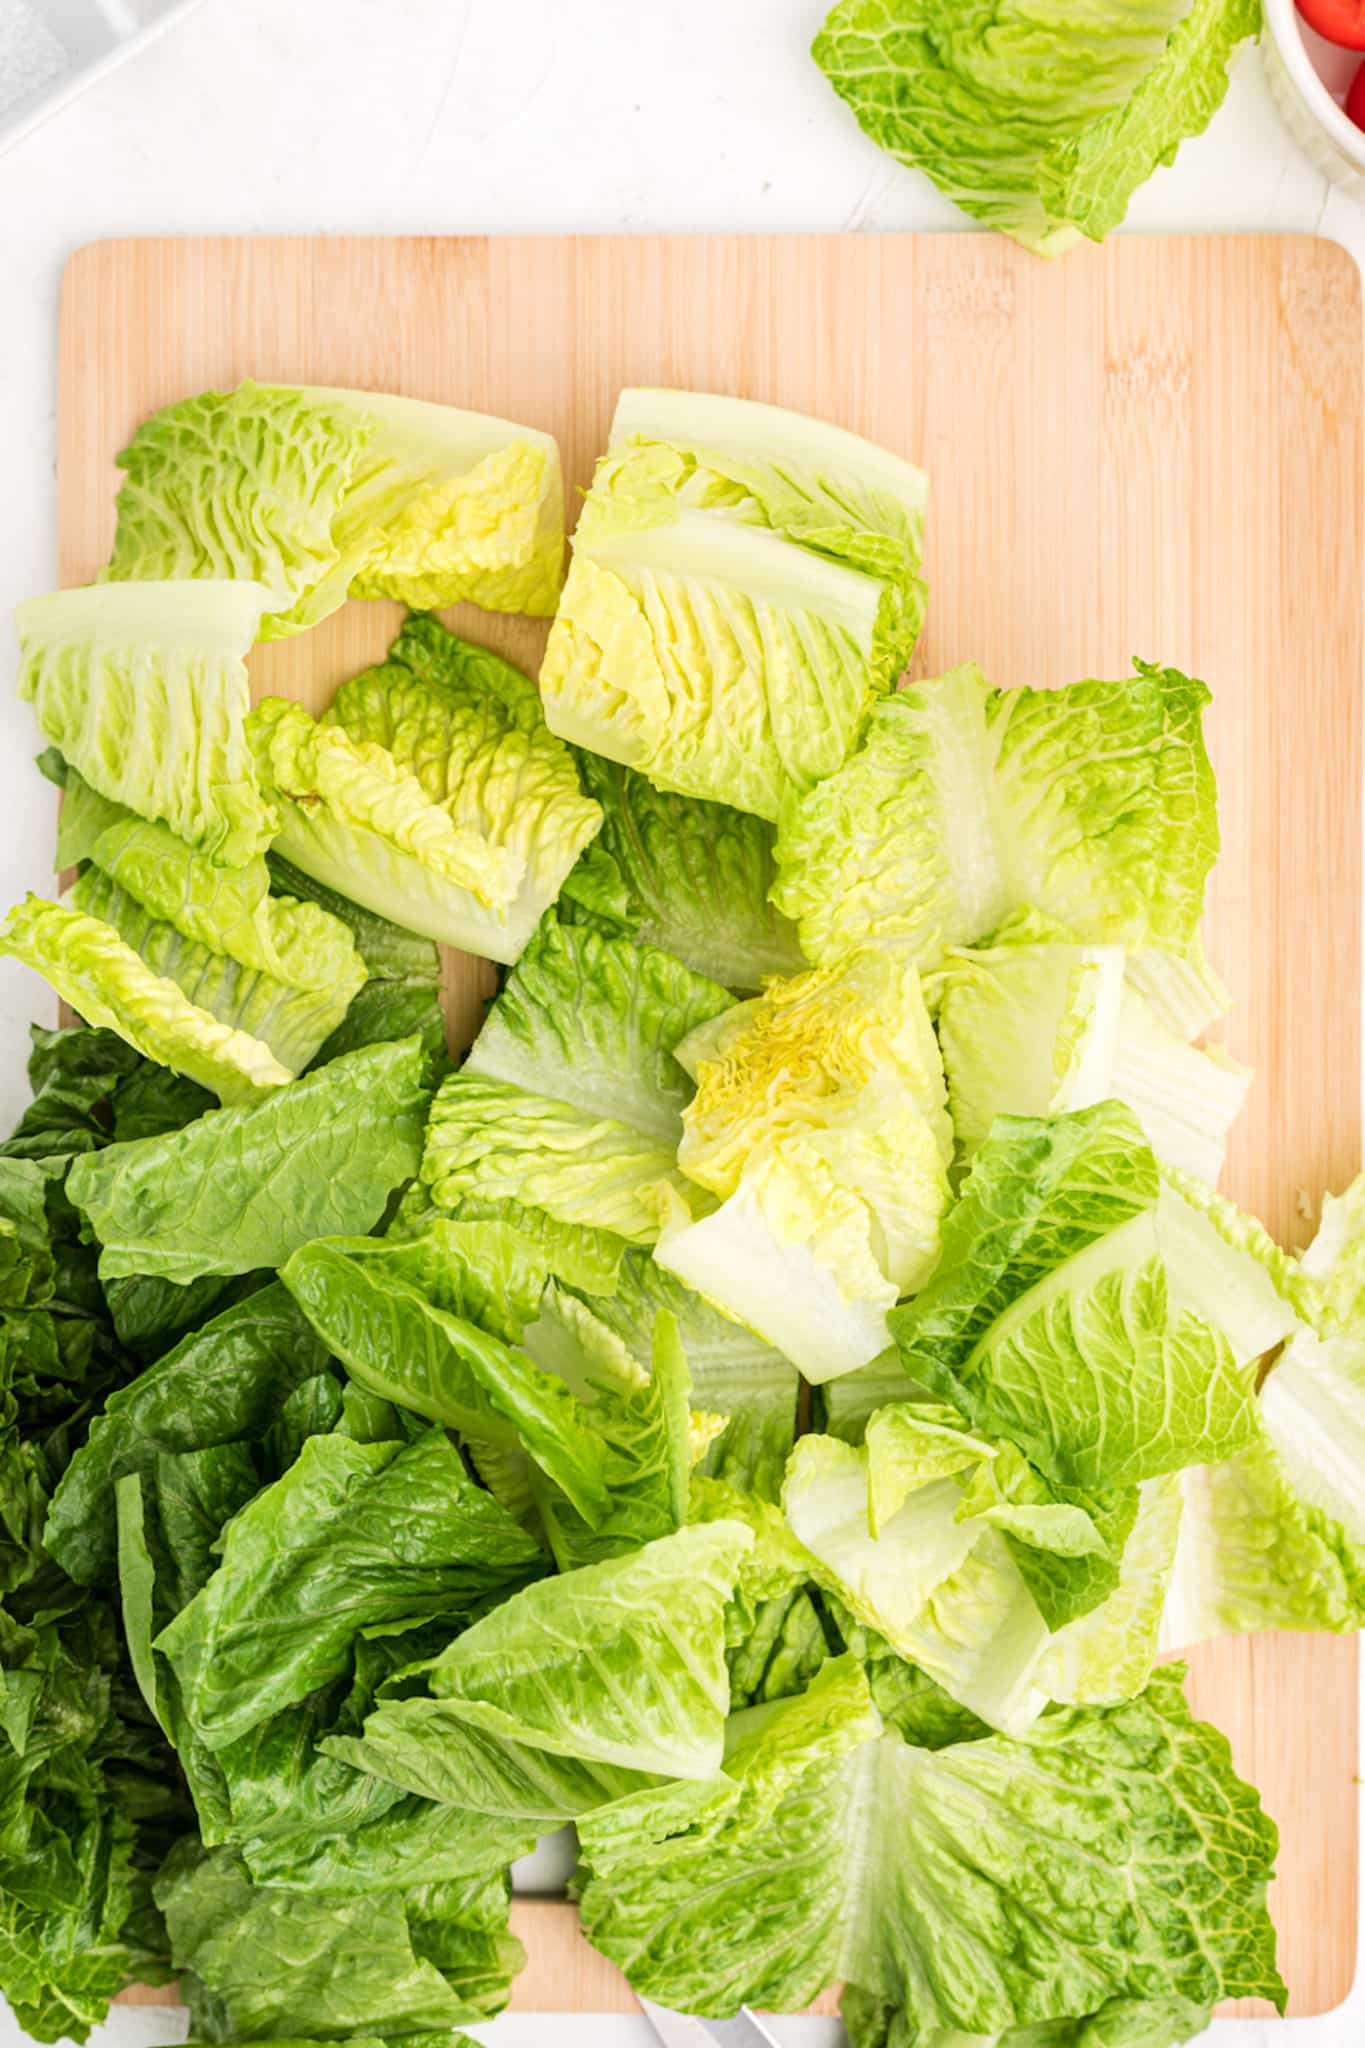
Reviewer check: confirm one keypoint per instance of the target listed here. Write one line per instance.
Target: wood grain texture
(1151, 449)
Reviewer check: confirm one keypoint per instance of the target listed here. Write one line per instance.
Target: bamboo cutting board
(1151, 449)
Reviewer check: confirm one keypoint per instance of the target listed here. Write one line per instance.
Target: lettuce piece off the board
(96, 970)
(240, 1189)
(1094, 804)
(819, 1124)
(745, 583)
(1039, 121)
(282, 971)
(1120, 1838)
(1033, 1023)
(570, 1101)
(318, 494)
(143, 690)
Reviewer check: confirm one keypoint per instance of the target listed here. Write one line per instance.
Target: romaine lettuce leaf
(639, 1411)
(401, 995)
(1053, 1320)
(745, 582)
(828, 490)
(281, 971)
(83, 813)
(222, 1384)
(819, 1123)
(570, 1101)
(240, 1189)
(1041, 122)
(733, 1373)
(260, 1963)
(561, 1701)
(689, 877)
(721, 661)
(1094, 804)
(384, 1309)
(470, 728)
(143, 690)
(1033, 1023)
(95, 969)
(317, 493)
(1275, 1538)
(353, 1536)
(1119, 1838)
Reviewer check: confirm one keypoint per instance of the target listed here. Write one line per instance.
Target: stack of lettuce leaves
(766, 1405)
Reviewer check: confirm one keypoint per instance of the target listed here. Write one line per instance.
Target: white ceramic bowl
(1310, 78)
(85, 39)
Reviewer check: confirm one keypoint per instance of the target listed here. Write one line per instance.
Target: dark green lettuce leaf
(352, 1537)
(242, 1188)
(222, 1384)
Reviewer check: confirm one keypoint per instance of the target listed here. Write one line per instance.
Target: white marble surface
(471, 116)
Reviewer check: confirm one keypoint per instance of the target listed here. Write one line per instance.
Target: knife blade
(685, 2030)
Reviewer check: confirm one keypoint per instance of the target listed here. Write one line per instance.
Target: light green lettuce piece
(1093, 804)
(1120, 1839)
(594, 1022)
(570, 1101)
(816, 484)
(844, 1407)
(1002, 1591)
(470, 728)
(1224, 1266)
(819, 1124)
(690, 877)
(83, 813)
(319, 493)
(144, 692)
(360, 823)
(719, 660)
(240, 1189)
(500, 1144)
(1065, 1318)
(500, 1744)
(111, 986)
(1036, 1024)
(1039, 121)
(580, 1256)
(1275, 1539)
(733, 1372)
(1255, 1553)
(1181, 989)
(282, 971)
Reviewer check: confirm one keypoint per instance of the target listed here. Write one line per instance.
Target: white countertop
(474, 116)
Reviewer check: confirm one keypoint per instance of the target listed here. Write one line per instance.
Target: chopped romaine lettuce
(745, 582)
(318, 493)
(819, 1124)
(1040, 121)
(143, 690)
(1093, 804)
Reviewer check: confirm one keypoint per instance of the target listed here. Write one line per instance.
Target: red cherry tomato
(1355, 99)
(1341, 21)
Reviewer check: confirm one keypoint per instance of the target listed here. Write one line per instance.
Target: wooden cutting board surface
(1152, 449)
